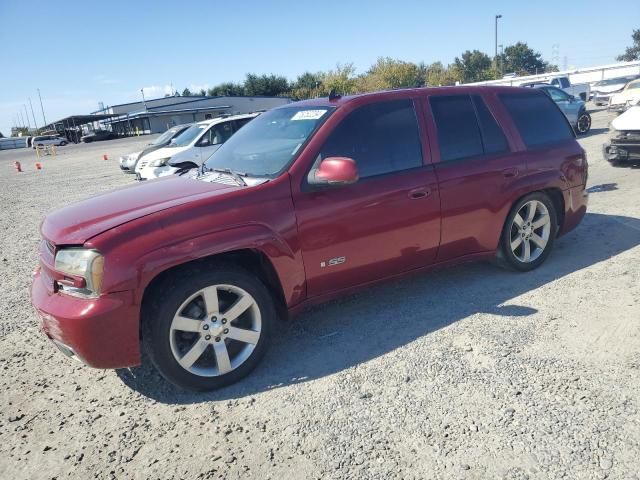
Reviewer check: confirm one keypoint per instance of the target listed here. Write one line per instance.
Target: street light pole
(27, 114)
(35, 124)
(496, 42)
(42, 108)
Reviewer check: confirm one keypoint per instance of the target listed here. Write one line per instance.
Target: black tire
(506, 256)
(62, 144)
(583, 124)
(159, 310)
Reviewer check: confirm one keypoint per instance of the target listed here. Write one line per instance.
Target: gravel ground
(530, 376)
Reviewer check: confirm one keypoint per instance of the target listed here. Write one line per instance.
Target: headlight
(161, 162)
(80, 262)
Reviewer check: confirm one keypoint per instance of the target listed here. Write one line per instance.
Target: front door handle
(510, 173)
(419, 193)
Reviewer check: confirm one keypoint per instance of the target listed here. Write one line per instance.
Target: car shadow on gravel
(341, 334)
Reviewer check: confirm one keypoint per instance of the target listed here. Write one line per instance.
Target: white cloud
(156, 91)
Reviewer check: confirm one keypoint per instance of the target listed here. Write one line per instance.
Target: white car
(628, 97)
(128, 162)
(44, 140)
(605, 89)
(191, 148)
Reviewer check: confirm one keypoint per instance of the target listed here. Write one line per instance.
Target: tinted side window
(381, 138)
(241, 123)
(537, 118)
(492, 137)
(458, 131)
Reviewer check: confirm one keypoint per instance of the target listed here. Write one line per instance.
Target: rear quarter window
(537, 118)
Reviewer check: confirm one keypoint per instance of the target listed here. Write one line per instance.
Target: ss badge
(333, 262)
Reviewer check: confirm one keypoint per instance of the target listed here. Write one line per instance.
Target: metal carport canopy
(78, 120)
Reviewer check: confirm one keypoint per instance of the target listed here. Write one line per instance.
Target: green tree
(202, 92)
(473, 66)
(633, 52)
(523, 60)
(388, 73)
(186, 92)
(307, 85)
(436, 74)
(342, 80)
(267, 85)
(227, 89)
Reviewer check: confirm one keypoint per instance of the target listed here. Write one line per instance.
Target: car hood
(77, 223)
(629, 120)
(164, 152)
(625, 96)
(609, 88)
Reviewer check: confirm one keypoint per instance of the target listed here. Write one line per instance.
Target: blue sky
(80, 53)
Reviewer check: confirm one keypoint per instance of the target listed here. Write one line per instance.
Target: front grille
(217, 177)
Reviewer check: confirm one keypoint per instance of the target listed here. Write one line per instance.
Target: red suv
(306, 202)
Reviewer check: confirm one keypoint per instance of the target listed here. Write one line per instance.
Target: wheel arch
(253, 260)
(557, 198)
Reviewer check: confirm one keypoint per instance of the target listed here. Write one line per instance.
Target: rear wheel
(529, 232)
(584, 123)
(208, 329)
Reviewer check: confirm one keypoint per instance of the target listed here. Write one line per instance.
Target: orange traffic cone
(18, 166)
(105, 157)
(38, 166)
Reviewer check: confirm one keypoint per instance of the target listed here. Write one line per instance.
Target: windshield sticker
(308, 115)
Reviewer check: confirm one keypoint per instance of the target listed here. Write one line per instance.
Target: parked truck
(582, 90)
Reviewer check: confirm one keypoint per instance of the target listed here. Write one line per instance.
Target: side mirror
(335, 171)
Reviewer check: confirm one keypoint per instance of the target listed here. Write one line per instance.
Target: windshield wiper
(237, 176)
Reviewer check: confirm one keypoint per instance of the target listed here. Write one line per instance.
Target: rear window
(538, 119)
(458, 132)
(492, 136)
(466, 127)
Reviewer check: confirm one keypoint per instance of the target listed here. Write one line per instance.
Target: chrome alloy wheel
(223, 317)
(530, 231)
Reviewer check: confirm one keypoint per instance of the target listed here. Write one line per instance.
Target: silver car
(573, 108)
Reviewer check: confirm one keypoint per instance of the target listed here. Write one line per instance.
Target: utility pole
(143, 100)
(27, 114)
(496, 42)
(42, 108)
(35, 124)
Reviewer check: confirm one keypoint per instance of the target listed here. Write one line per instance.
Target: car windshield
(267, 144)
(165, 137)
(188, 136)
(633, 86)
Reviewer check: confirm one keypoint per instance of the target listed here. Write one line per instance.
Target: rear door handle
(510, 173)
(419, 193)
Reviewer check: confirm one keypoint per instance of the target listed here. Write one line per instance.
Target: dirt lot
(483, 374)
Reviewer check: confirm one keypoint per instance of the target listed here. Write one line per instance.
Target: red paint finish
(322, 241)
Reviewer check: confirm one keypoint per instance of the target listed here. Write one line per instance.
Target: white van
(192, 147)
(44, 140)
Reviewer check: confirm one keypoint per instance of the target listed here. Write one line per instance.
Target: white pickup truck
(582, 90)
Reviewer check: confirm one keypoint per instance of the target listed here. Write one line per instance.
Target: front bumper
(101, 332)
(625, 151)
(601, 98)
(148, 172)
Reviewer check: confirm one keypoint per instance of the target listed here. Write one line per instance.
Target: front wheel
(209, 329)
(584, 123)
(529, 232)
